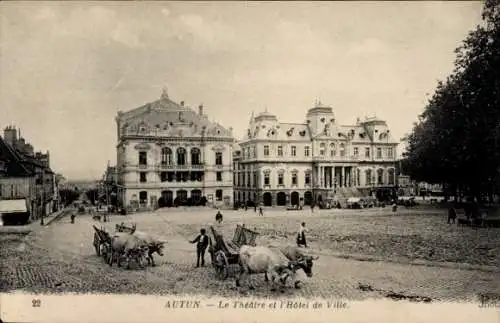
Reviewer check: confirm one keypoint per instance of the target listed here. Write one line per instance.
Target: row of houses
(28, 186)
(168, 153)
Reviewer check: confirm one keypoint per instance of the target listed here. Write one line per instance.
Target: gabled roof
(15, 165)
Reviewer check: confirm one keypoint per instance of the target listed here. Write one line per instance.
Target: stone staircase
(344, 193)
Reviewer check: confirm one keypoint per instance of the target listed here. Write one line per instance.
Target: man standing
(201, 245)
(261, 213)
(301, 236)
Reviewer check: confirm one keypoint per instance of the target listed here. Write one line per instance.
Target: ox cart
(223, 254)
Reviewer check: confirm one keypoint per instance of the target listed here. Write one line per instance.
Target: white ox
(125, 245)
(298, 260)
(263, 260)
(154, 245)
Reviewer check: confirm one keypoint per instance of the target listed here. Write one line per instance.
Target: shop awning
(13, 206)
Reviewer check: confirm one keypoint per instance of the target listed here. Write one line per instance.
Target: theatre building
(168, 154)
(317, 160)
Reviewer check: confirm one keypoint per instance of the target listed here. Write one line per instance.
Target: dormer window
(322, 119)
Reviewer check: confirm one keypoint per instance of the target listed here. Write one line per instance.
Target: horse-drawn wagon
(223, 254)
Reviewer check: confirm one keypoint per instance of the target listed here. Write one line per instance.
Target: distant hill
(81, 184)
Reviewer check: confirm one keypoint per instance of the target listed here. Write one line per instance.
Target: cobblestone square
(412, 253)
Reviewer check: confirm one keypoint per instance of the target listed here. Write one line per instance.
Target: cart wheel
(221, 265)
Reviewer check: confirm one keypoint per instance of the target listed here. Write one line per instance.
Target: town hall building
(318, 160)
(168, 154)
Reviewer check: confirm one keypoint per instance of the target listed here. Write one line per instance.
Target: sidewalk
(28, 228)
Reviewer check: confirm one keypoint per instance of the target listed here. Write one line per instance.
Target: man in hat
(201, 241)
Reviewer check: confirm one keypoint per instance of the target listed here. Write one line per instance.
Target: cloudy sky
(67, 68)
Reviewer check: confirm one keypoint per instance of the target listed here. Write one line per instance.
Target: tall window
(143, 197)
(379, 153)
(249, 178)
(390, 152)
(218, 158)
(266, 150)
(143, 158)
(294, 178)
(142, 177)
(163, 176)
(358, 177)
(342, 149)
(280, 151)
(390, 175)
(281, 179)
(355, 151)
(380, 176)
(307, 178)
(195, 156)
(368, 177)
(333, 150)
(322, 149)
(267, 176)
(293, 151)
(367, 152)
(306, 151)
(219, 176)
(166, 156)
(254, 152)
(218, 195)
(181, 156)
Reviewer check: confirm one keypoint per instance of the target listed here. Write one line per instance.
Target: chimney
(200, 109)
(10, 135)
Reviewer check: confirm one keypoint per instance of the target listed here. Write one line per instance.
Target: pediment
(218, 147)
(142, 146)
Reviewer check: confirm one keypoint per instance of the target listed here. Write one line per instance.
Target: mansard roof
(167, 118)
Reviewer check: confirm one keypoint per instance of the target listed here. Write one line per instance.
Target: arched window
(380, 176)
(166, 156)
(342, 150)
(390, 175)
(181, 156)
(368, 177)
(333, 150)
(195, 156)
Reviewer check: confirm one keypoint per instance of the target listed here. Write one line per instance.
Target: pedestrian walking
(255, 207)
(202, 241)
(452, 215)
(246, 206)
(218, 217)
(301, 236)
(72, 217)
(261, 212)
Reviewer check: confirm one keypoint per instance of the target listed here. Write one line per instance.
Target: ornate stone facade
(168, 153)
(319, 160)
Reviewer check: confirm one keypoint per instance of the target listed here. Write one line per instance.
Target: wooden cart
(223, 254)
(102, 241)
(123, 228)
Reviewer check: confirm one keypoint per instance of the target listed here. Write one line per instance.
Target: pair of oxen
(280, 263)
(137, 246)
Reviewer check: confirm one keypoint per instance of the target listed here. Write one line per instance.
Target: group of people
(203, 240)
